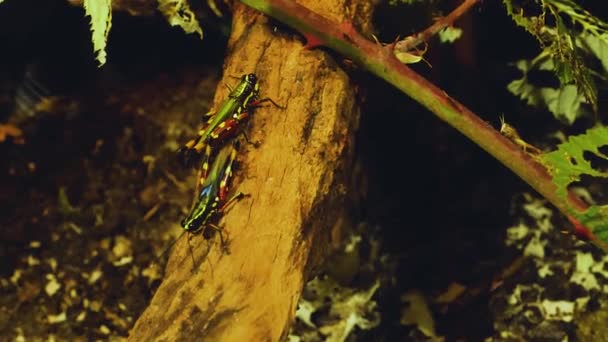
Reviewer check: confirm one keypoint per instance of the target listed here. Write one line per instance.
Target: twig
(414, 40)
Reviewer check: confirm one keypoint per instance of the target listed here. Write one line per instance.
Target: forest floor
(91, 203)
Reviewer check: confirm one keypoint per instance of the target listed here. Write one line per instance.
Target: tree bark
(298, 180)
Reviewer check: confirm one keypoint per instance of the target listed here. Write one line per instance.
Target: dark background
(440, 203)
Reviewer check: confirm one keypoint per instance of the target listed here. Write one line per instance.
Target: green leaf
(411, 56)
(596, 219)
(100, 12)
(178, 13)
(564, 103)
(522, 88)
(568, 163)
(450, 34)
(560, 26)
(597, 47)
(408, 58)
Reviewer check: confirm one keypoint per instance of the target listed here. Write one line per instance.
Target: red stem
(381, 61)
(412, 41)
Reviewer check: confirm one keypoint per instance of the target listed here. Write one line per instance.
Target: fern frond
(567, 34)
(100, 12)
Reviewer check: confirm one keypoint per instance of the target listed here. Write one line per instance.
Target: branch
(381, 61)
(414, 40)
(298, 185)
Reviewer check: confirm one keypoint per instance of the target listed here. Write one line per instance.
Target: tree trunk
(298, 179)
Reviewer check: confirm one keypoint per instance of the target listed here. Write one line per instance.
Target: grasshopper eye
(192, 226)
(252, 78)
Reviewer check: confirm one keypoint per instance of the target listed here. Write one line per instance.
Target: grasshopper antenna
(257, 103)
(170, 246)
(191, 253)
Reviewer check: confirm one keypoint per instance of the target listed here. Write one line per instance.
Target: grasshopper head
(508, 130)
(203, 210)
(251, 79)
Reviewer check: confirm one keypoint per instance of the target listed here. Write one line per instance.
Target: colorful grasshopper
(212, 189)
(221, 125)
(212, 185)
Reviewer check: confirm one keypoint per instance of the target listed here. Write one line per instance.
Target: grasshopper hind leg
(187, 157)
(189, 153)
(191, 253)
(209, 233)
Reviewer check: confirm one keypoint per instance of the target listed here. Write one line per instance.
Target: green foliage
(410, 57)
(450, 34)
(567, 35)
(568, 163)
(564, 102)
(596, 219)
(596, 46)
(100, 12)
(178, 13)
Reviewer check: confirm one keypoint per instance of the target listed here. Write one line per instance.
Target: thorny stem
(412, 41)
(380, 60)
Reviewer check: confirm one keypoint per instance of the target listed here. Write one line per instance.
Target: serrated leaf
(522, 88)
(450, 34)
(572, 70)
(568, 163)
(564, 102)
(558, 25)
(178, 13)
(598, 47)
(100, 12)
(596, 219)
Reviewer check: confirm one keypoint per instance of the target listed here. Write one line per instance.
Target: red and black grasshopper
(212, 191)
(212, 197)
(223, 124)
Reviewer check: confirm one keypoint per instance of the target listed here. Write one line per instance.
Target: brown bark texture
(297, 179)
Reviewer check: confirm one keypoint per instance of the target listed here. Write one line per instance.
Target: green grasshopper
(212, 196)
(222, 124)
(212, 190)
